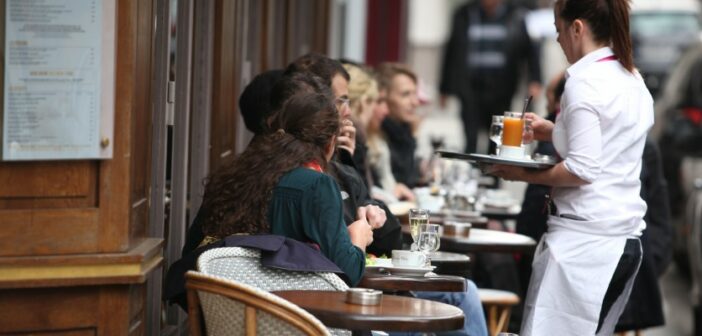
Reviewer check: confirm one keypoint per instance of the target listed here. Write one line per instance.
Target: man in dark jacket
(482, 61)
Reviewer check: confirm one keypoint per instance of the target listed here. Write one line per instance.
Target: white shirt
(606, 113)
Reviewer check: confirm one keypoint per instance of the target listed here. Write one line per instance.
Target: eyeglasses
(341, 103)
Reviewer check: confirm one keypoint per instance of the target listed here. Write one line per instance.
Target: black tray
(492, 159)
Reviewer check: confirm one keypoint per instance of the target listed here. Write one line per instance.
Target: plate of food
(525, 162)
(372, 260)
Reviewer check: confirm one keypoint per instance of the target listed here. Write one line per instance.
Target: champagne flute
(417, 217)
(496, 131)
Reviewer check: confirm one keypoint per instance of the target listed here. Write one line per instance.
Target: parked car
(661, 31)
(678, 129)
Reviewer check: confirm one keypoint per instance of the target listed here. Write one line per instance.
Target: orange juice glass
(513, 126)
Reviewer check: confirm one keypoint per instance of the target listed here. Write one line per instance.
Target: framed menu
(58, 94)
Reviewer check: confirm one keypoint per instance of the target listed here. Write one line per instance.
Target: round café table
(479, 222)
(399, 283)
(394, 313)
(501, 213)
(482, 240)
(450, 263)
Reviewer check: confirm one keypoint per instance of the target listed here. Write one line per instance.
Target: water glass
(417, 218)
(496, 130)
(429, 239)
(528, 135)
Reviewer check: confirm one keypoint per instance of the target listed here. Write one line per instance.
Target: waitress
(584, 266)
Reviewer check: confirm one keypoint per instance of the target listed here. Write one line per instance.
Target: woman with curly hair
(278, 186)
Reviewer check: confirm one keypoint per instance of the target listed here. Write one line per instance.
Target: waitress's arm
(582, 163)
(558, 176)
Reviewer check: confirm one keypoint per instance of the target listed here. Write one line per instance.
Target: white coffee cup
(404, 258)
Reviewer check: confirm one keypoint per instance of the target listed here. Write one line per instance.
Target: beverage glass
(513, 127)
(429, 239)
(496, 131)
(528, 136)
(512, 135)
(417, 217)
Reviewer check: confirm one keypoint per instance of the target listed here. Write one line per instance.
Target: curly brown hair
(237, 196)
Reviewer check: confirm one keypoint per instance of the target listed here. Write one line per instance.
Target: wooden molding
(87, 269)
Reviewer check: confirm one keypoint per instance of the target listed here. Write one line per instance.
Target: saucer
(415, 271)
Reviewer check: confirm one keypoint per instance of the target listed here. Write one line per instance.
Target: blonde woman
(368, 110)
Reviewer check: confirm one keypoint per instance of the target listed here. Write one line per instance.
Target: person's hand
(506, 172)
(347, 136)
(541, 128)
(360, 231)
(376, 216)
(402, 192)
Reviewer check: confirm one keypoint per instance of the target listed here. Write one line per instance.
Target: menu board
(59, 72)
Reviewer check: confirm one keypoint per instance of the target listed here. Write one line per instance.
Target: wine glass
(429, 239)
(417, 218)
(496, 131)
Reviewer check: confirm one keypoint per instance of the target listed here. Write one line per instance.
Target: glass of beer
(417, 218)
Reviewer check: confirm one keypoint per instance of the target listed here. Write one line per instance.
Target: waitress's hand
(506, 172)
(541, 128)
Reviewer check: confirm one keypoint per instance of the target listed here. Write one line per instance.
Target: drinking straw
(527, 100)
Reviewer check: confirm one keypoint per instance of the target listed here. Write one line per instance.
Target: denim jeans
(468, 301)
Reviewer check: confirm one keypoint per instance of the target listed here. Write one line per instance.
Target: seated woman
(278, 185)
(368, 110)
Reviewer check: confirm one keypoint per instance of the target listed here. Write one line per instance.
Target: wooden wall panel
(36, 310)
(63, 207)
(45, 179)
(75, 254)
(224, 83)
(275, 27)
(27, 232)
(141, 123)
(115, 177)
(255, 37)
(45, 185)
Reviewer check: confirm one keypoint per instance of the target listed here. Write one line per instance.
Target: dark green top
(306, 206)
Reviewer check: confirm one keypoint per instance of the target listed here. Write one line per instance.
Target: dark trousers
(626, 269)
(476, 113)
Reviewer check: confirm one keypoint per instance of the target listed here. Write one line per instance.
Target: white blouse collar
(588, 59)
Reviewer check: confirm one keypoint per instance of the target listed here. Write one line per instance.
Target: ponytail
(608, 20)
(619, 29)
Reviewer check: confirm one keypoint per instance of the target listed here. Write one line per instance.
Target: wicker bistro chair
(233, 308)
(243, 265)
